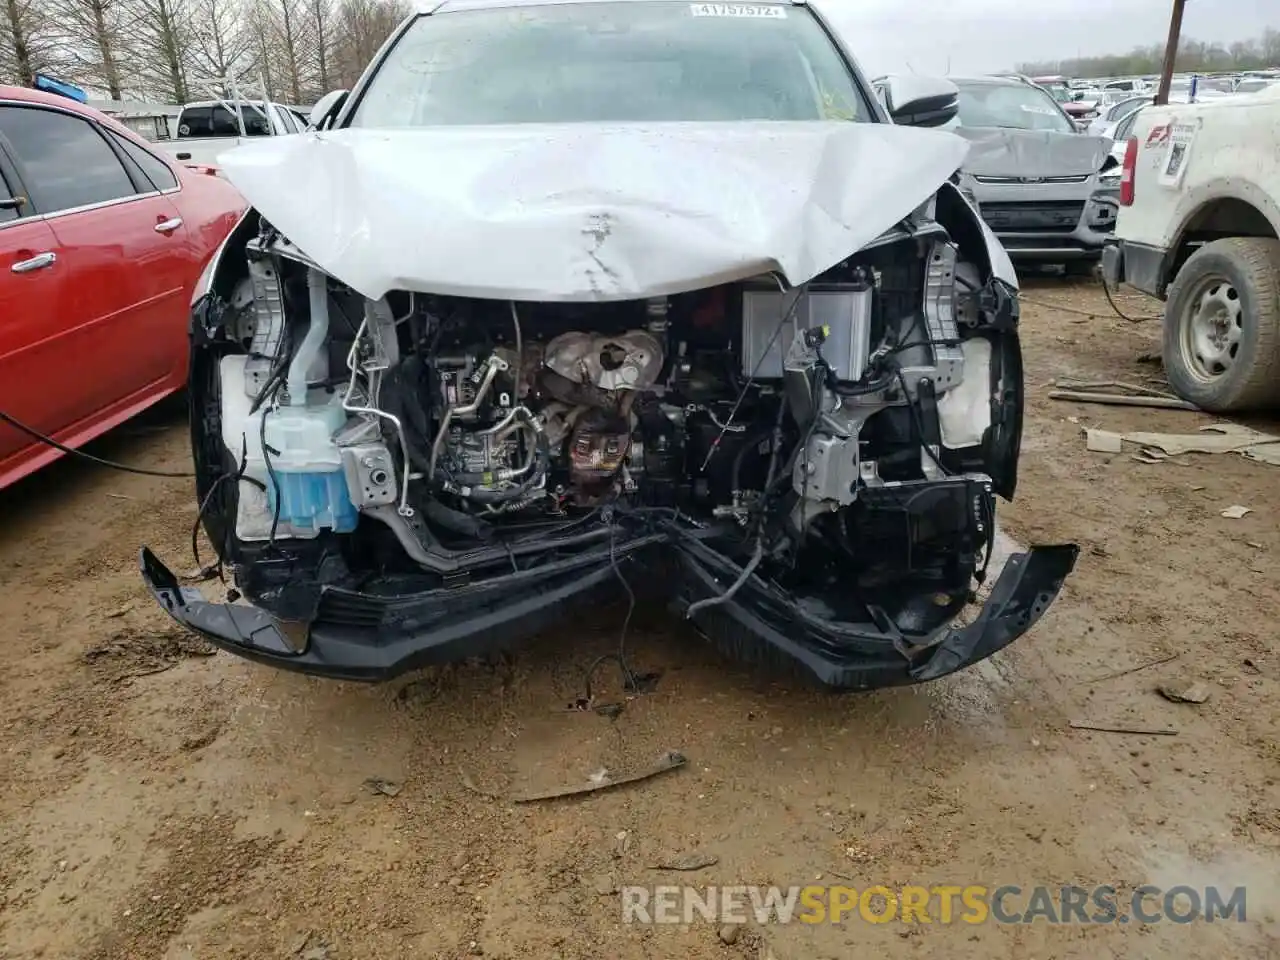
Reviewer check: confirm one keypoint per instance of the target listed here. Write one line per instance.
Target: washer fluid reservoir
(308, 469)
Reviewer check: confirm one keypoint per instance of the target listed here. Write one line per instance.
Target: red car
(102, 242)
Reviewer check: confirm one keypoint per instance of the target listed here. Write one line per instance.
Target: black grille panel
(1051, 217)
(350, 609)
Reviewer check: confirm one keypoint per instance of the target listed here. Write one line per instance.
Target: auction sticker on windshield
(746, 11)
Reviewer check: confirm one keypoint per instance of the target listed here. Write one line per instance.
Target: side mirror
(914, 101)
(326, 109)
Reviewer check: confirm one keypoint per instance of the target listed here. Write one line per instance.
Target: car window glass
(286, 119)
(155, 169)
(1012, 106)
(194, 122)
(635, 61)
(7, 211)
(223, 122)
(65, 162)
(256, 123)
(1125, 129)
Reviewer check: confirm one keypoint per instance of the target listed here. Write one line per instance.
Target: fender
(1202, 195)
(975, 239)
(214, 276)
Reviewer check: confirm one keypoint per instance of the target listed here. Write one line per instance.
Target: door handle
(168, 226)
(38, 262)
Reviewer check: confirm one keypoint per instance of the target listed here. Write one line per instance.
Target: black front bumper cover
(356, 636)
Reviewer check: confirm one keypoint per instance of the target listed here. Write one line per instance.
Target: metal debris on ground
(1117, 393)
(1128, 670)
(671, 760)
(1214, 438)
(599, 780)
(688, 862)
(388, 788)
(1115, 728)
(1186, 691)
(1102, 441)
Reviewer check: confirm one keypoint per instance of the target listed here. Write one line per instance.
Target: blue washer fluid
(312, 501)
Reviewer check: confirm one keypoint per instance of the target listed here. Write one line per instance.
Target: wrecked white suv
(563, 295)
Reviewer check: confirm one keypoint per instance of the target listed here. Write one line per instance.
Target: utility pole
(1170, 52)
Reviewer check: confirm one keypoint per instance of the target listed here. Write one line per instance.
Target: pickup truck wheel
(1222, 326)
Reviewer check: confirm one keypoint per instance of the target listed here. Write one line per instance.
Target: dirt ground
(160, 801)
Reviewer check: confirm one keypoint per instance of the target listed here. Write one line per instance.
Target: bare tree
(164, 45)
(282, 28)
(291, 39)
(261, 29)
(362, 26)
(27, 41)
(221, 40)
(321, 13)
(94, 35)
(1269, 47)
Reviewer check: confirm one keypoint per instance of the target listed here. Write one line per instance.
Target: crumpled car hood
(1003, 152)
(584, 211)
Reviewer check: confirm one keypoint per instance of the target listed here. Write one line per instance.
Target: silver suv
(1033, 175)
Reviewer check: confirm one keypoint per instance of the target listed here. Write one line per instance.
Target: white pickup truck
(1198, 227)
(209, 128)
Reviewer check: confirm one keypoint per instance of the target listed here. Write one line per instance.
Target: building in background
(155, 121)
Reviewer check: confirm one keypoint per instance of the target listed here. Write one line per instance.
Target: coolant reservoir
(308, 469)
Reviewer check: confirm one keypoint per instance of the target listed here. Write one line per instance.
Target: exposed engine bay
(833, 449)
(770, 408)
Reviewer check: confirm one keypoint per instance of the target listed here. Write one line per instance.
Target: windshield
(1016, 106)
(637, 60)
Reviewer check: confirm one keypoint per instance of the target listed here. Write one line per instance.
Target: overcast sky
(984, 35)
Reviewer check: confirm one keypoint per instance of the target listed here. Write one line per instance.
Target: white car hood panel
(588, 212)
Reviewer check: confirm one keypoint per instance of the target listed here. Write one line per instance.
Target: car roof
(994, 81)
(451, 6)
(28, 95)
(215, 103)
